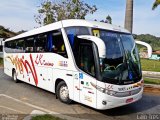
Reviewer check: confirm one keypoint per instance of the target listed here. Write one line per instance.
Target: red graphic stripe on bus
(20, 63)
(32, 69)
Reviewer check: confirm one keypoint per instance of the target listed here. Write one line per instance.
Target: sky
(18, 15)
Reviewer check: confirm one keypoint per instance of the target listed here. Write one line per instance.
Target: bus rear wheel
(14, 76)
(63, 93)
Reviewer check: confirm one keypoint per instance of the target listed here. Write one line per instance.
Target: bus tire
(62, 93)
(14, 76)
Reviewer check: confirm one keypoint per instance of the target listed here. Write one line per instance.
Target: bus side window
(40, 44)
(87, 59)
(20, 46)
(58, 45)
(10, 46)
(7, 47)
(29, 44)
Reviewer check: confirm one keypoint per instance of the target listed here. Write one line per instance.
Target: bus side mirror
(99, 42)
(149, 48)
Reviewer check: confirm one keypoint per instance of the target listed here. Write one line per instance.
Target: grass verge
(150, 65)
(151, 81)
(45, 117)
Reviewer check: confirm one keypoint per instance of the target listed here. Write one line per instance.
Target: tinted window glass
(1, 47)
(29, 44)
(46, 42)
(10, 46)
(74, 31)
(56, 43)
(19, 46)
(87, 59)
(40, 44)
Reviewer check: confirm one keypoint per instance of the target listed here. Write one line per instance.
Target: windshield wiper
(131, 67)
(134, 68)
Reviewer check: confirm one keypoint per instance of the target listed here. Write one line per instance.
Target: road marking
(37, 112)
(28, 104)
(43, 109)
(12, 109)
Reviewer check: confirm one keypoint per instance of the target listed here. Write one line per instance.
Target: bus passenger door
(76, 86)
(87, 77)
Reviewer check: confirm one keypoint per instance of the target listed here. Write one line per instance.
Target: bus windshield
(121, 64)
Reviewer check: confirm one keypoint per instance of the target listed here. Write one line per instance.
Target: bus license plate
(129, 100)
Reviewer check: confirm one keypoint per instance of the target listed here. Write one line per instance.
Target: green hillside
(6, 33)
(150, 39)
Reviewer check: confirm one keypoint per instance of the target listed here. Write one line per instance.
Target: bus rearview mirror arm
(149, 48)
(99, 42)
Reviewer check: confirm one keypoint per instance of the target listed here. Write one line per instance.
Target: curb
(150, 73)
(38, 112)
(34, 113)
(152, 85)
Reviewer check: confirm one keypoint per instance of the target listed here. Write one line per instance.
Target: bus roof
(69, 23)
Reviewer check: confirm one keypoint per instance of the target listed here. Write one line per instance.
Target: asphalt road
(22, 98)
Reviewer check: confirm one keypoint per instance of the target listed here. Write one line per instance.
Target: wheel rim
(14, 76)
(64, 93)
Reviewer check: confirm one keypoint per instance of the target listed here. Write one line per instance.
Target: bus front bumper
(112, 102)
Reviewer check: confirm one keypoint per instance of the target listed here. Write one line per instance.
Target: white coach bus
(93, 63)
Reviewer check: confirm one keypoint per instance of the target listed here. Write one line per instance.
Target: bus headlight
(106, 91)
(103, 90)
(117, 94)
(112, 93)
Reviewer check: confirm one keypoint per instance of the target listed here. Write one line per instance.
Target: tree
(156, 4)
(109, 19)
(129, 15)
(45, 13)
(50, 11)
(22, 31)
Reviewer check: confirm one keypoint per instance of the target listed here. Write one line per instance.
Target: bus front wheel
(14, 76)
(63, 93)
